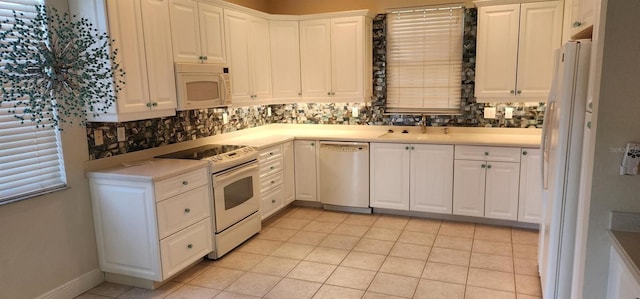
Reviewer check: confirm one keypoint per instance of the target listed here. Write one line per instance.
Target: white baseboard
(76, 286)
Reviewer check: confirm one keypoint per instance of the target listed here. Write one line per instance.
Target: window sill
(32, 195)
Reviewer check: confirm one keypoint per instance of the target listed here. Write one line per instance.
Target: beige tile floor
(311, 253)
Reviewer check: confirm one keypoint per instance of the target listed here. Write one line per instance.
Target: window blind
(30, 157)
(424, 59)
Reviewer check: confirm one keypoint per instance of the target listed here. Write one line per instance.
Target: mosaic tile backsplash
(193, 124)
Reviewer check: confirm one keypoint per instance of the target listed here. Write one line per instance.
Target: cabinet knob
(149, 105)
(185, 183)
(271, 167)
(271, 154)
(486, 153)
(205, 57)
(154, 104)
(187, 210)
(273, 201)
(333, 93)
(524, 153)
(519, 91)
(313, 144)
(589, 124)
(299, 93)
(488, 166)
(328, 93)
(406, 147)
(190, 246)
(412, 148)
(273, 182)
(512, 91)
(577, 24)
(483, 166)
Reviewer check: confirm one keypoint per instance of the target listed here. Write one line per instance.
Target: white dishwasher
(344, 176)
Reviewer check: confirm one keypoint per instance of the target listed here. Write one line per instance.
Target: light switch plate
(268, 111)
(121, 134)
(355, 112)
(98, 138)
(225, 118)
(508, 113)
(489, 112)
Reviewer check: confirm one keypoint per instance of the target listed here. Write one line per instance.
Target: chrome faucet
(423, 128)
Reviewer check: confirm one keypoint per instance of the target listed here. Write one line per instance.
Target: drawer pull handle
(272, 168)
(185, 183)
(273, 201)
(190, 246)
(187, 210)
(486, 153)
(271, 154)
(273, 182)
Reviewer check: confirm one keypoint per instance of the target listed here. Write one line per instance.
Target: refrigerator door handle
(545, 143)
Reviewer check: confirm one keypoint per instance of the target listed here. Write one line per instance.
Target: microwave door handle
(223, 87)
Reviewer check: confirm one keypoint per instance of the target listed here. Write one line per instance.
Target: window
(30, 157)
(424, 60)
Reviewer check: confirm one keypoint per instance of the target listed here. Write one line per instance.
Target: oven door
(235, 194)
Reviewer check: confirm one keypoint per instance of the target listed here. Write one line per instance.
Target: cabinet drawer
(270, 153)
(270, 167)
(269, 182)
(187, 246)
(487, 153)
(271, 201)
(181, 183)
(182, 210)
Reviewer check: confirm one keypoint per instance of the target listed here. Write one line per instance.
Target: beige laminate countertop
(264, 137)
(151, 170)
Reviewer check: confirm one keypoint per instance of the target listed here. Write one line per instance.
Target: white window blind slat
(424, 59)
(30, 157)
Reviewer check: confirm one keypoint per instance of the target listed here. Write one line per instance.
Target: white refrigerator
(562, 143)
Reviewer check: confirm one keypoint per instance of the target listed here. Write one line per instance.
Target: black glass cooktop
(201, 152)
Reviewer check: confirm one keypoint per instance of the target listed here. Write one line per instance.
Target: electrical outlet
(225, 118)
(508, 113)
(121, 134)
(268, 111)
(98, 138)
(489, 112)
(355, 112)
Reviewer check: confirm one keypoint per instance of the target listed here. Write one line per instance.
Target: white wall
(48, 241)
(618, 122)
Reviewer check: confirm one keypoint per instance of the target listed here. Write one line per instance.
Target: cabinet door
(185, 30)
(285, 60)
(306, 170)
(159, 56)
(497, 50)
(530, 198)
(289, 173)
(501, 191)
(315, 58)
(237, 28)
(347, 78)
(622, 283)
(211, 33)
(468, 187)
(125, 27)
(540, 36)
(582, 15)
(431, 178)
(389, 170)
(260, 64)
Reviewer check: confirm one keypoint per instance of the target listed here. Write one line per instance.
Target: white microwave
(202, 86)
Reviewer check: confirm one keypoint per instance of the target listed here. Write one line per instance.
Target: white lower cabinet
(150, 228)
(530, 198)
(485, 186)
(276, 178)
(622, 283)
(412, 177)
(306, 170)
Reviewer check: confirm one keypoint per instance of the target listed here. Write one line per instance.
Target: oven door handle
(238, 170)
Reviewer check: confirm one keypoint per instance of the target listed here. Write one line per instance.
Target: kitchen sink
(416, 134)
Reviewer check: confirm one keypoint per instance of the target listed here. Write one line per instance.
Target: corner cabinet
(306, 170)
(143, 40)
(336, 59)
(285, 61)
(486, 182)
(197, 32)
(582, 18)
(249, 58)
(515, 50)
(276, 178)
(153, 220)
(415, 177)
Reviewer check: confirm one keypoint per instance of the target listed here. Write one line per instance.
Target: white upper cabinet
(197, 32)
(582, 18)
(285, 61)
(249, 58)
(515, 51)
(335, 57)
(143, 41)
